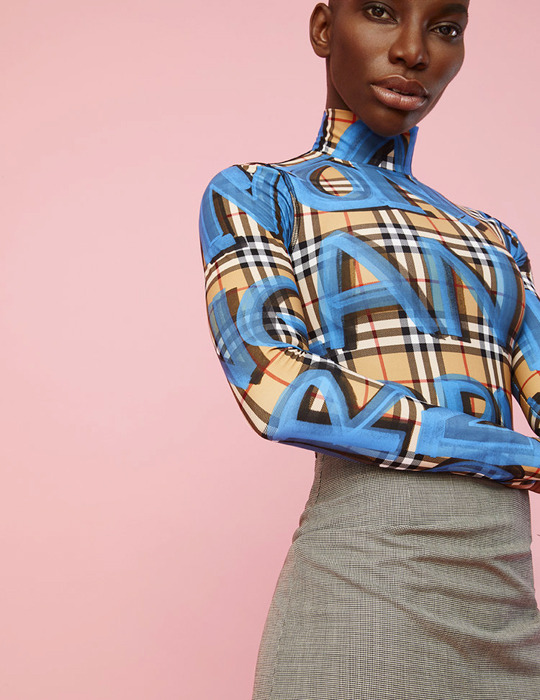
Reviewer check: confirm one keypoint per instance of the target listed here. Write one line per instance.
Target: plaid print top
(359, 313)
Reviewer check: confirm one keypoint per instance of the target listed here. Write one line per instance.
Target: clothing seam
(295, 219)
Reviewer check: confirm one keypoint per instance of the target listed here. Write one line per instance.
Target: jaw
(381, 119)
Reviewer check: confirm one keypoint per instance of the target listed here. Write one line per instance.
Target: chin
(394, 122)
(389, 122)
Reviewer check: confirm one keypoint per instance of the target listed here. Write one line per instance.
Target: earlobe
(319, 29)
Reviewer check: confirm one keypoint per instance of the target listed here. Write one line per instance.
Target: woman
(362, 315)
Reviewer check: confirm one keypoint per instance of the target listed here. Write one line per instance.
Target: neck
(344, 136)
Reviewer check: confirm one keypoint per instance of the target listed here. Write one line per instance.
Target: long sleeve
(288, 392)
(526, 351)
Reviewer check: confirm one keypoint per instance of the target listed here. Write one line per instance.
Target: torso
(398, 283)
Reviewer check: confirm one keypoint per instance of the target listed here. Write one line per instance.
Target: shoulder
(258, 191)
(507, 235)
(265, 177)
(256, 185)
(273, 179)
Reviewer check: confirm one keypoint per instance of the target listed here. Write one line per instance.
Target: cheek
(356, 52)
(449, 65)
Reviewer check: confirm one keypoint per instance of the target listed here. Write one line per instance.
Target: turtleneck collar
(342, 135)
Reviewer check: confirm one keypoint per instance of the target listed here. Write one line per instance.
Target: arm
(290, 394)
(526, 352)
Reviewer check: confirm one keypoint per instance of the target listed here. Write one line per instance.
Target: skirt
(402, 585)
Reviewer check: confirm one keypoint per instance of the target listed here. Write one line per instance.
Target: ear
(319, 29)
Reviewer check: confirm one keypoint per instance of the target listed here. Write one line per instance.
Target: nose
(409, 47)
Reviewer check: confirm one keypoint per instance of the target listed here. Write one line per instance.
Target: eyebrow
(455, 7)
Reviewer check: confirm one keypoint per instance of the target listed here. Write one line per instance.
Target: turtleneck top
(357, 312)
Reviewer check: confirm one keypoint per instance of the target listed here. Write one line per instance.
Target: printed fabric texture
(358, 313)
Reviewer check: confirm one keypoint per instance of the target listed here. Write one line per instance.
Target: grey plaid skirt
(404, 586)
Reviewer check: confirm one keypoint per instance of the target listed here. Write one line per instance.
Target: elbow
(261, 425)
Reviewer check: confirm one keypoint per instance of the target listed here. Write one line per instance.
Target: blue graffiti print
(358, 312)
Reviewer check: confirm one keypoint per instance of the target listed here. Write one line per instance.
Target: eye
(449, 31)
(378, 12)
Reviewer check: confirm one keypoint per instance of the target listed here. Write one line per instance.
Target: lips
(397, 92)
(403, 86)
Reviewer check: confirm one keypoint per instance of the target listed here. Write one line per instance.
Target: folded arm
(290, 394)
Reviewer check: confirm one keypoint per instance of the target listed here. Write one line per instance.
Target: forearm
(296, 397)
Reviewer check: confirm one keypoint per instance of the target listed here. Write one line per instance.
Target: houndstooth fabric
(404, 586)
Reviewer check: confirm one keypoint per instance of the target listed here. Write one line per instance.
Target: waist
(348, 494)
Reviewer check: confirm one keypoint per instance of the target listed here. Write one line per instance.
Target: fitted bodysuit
(360, 314)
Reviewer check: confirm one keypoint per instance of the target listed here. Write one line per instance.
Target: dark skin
(366, 42)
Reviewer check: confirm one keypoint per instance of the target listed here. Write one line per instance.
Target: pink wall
(143, 524)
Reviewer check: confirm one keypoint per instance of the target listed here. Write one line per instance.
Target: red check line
(375, 338)
(435, 227)
(366, 394)
(264, 370)
(431, 381)
(345, 121)
(429, 281)
(331, 187)
(533, 375)
(348, 220)
(358, 271)
(219, 278)
(310, 302)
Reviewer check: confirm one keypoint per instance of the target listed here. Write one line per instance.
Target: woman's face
(389, 62)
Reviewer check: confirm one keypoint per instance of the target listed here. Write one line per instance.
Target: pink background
(142, 523)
